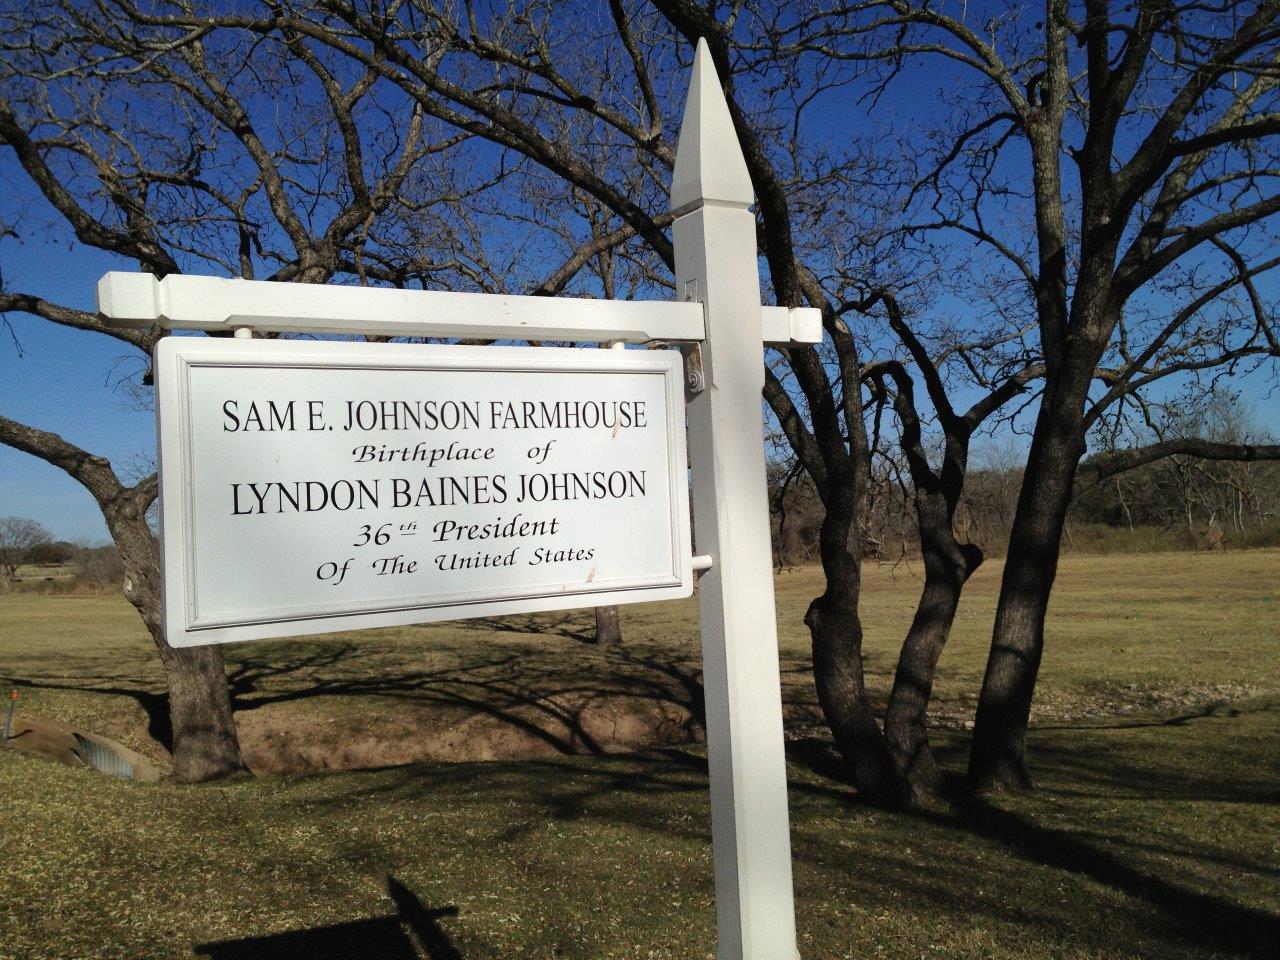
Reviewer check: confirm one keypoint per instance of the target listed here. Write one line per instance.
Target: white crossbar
(182, 302)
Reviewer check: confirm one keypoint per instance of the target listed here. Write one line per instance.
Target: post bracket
(695, 379)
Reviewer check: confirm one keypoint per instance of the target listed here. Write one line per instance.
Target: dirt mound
(275, 739)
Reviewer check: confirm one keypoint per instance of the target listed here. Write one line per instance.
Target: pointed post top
(709, 162)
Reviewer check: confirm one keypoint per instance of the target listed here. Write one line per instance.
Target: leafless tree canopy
(18, 536)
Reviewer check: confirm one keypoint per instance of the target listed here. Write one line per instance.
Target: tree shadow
(1099, 864)
(579, 625)
(413, 932)
(537, 696)
(155, 705)
(1109, 758)
(1140, 721)
(820, 757)
(1191, 916)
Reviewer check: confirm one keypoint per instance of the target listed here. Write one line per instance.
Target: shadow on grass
(1183, 915)
(1080, 868)
(988, 860)
(540, 696)
(1217, 708)
(413, 932)
(579, 625)
(155, 705)
(1128, 759)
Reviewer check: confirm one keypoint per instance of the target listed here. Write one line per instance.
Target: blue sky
(61, 382)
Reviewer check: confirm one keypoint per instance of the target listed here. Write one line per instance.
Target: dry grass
(1154, 834)
(1121, 633)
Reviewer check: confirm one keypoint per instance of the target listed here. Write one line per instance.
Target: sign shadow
(413, 932)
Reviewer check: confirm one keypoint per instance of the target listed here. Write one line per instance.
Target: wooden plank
(308, 487)
(182, 302)
(210, 303)
(790, 326)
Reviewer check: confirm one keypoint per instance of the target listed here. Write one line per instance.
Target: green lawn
(1156, 832)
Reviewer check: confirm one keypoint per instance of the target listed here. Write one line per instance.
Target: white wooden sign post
(316, 486)
(715, 252)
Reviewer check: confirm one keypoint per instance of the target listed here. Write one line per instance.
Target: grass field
(1156, 832)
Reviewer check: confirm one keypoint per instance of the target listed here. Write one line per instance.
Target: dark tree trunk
(998, 757)
(947, 565)
(836, 633)
(205, 745)
(608, 627)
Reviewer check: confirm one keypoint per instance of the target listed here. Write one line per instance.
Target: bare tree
(608, 627)
(1194, 488)
(1120, 166)
(560, 115)
(1097, 470)
(948, 563)
(164, 161)
(18, 537)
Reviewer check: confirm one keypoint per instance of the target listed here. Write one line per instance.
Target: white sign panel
(309, 487)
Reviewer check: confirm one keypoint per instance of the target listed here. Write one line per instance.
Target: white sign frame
(177, 356)
(717, 270)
